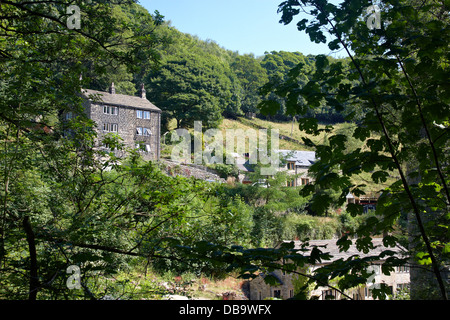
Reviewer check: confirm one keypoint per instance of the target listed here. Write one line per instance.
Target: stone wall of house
(127, 122)
(259, 290)
(301, 172)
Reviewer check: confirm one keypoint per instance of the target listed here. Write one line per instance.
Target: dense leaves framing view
(86, 215)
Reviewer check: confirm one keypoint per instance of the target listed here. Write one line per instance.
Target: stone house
(368, 201)
(297, 166)
(135, 119)
(285, 289)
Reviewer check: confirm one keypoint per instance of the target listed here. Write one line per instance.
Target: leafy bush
(302, 226)
(226, 170)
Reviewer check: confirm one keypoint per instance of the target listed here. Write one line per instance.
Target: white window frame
(111, 110)
(139, 114)
(146, 115)
(146, 132)
(110, 127)
(139, 131)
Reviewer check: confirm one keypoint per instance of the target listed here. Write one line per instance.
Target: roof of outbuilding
(301, 158)
(119, 100)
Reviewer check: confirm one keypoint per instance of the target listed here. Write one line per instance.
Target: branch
(427, 132)
(54, 19)
(396, 161)
(34, 280)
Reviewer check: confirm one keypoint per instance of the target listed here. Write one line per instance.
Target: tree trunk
(34, 280)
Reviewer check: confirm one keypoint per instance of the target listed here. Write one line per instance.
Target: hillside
(291, 139)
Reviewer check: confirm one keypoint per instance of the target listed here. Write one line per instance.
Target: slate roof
(336, 254)
(120, 100)
(301, 158)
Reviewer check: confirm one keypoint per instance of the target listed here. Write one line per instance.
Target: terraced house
(135, 119)
(397, 280)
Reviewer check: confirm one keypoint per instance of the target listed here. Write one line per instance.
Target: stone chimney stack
(112, 89)
(143, 95)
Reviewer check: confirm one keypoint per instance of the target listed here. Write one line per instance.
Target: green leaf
(380, 176)
(355, 209)
(423, 258)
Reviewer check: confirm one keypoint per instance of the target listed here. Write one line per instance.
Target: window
(139, 131)
(147, 132)
(69, 115)
(146, 114)
(367, 292)
(139, 114)
(110, 127)
(290, 183)
(305, 181)
(277, 293)
(291, 165)
(110, 110)
(403, 269)
(291, 293)
(143, 147)
(329, 294)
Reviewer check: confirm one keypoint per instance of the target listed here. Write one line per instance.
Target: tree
(400, 69)
(192, 85)
(278, 65)
(52, 214)
(251, 76)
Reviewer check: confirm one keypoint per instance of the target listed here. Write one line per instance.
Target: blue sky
(247, 26)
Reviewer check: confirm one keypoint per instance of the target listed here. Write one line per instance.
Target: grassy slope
(291, 130)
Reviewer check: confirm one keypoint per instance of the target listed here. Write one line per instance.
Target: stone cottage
(259, 290)
(297, 165)
(135, 119)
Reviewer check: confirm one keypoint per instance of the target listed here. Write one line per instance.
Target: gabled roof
(301, 158)
(272, 274)
(120, 100)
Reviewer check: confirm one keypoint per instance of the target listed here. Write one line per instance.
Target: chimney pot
(143, 95)
(112, 89)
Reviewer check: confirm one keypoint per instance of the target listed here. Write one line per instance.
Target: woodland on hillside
(381, 113)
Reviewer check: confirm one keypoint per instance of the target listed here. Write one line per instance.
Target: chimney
(112, 89)
(143, 96)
